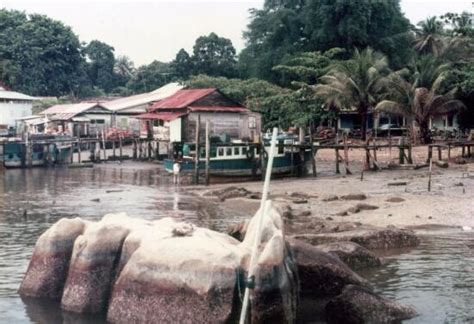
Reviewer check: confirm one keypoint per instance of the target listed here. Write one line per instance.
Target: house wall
(235, 125)
(444, 122)
(13, 109)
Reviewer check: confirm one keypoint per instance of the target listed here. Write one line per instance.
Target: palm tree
(124, 66)
(419, 99)
(429, 37)
(354, 83)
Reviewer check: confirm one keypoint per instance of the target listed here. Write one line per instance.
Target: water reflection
(32, 200)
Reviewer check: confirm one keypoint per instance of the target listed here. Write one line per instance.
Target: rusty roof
(182, 98)
(218, 109)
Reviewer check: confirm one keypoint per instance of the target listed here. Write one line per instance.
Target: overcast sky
(146, 30)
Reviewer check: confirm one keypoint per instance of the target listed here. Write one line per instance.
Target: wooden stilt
(196, 160)
(337, 161)
(313, 153)
(114, 157)
(440, 157)
(79, 151)
(429, 175)
(134, 149)
(208, 152)
(120, 148)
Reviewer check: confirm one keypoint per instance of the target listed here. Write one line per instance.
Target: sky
(147, 30)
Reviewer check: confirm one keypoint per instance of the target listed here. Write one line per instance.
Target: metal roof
(167, 116)
(144, 98)
(66, 112)
(218, 109)
(12, 95)
(182, 98)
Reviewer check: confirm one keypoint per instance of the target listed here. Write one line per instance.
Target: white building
(14, 105)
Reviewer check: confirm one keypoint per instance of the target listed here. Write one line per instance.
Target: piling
(196, 160)
(208, 149)
(134, 154)
(113, 150)
(429, 175)
(346, 155)
(79, 150)
(120, 148)
(313, 151)
(337, 161)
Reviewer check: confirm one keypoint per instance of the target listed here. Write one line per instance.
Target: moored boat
(240, 159)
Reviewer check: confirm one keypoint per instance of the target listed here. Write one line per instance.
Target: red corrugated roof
(167, 116)
(218, 108)
(182, 98)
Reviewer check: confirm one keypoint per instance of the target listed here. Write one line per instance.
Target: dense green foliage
(304, 61)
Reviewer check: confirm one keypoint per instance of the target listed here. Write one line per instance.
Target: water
(437, 278)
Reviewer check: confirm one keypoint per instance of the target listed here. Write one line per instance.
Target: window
(228, 151)
(236, 150)
(252, 122)
(98, 121)
(213, 152)
(220, 151)
(244, 150)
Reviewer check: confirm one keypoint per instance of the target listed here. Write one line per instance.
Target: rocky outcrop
(49, 264)
(359, 305)
(352, 254)
(321, 274)
(368, 237)
(163, 271)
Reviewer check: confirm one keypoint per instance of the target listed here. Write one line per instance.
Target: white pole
(256, 243)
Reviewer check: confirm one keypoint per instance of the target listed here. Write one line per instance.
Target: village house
(13, 105)
(174, 119)
(78, 120)
(124, 110)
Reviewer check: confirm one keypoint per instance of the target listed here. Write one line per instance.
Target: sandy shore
(450, 202)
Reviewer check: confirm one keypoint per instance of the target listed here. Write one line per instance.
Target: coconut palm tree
(354, 84)
(430, 37)
(420, 98)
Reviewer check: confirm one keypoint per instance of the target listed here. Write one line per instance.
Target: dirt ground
(398, 197)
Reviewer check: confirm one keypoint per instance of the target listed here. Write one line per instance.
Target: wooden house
(174, 119)
(14, 105)
(78, 120)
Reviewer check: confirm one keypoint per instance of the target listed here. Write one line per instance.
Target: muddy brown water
(437, 278)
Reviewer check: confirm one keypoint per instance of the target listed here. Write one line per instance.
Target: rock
(299, 195)
(442, 164)
(228, 193)
(354, 197)
(397, 183)
(299, 201)
(255, 195)
(360, 305)
(330, 198)
(352, 254)
(93, 264)
(96, 200)
(342, 213)
(194, 278)
(460, 160)
(49, 265)
(301, 213)
(321, 274)
(395, 199)
(370, 238)
(164, 271)
(362, 206)
(459, 184)
(330, 218)
(353, 210)
(238, 230)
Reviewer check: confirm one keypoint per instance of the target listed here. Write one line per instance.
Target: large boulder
(93, 264)
(370, 238)
(321, 274)
(352, 254)
(49, 265)
(359, 305)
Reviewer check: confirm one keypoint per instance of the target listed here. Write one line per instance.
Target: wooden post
(196, 160)
(346, 155)
(72, 152)
(375, 149)
(430, 153)
(208, 149)
(439, 153)
(463, 151)
(113, 150)
(79, 150)
(449, 151)
(337, 160)
(367, 155)
(120, 147)
(313, 153)
(401, 154)
(262, 159)
(429, 175)
(134, 149)
(103, 145)
(410, 158)
(292, 160)
(150, 150)
(157, 150)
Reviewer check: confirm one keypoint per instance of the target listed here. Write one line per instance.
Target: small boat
(239, 159)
